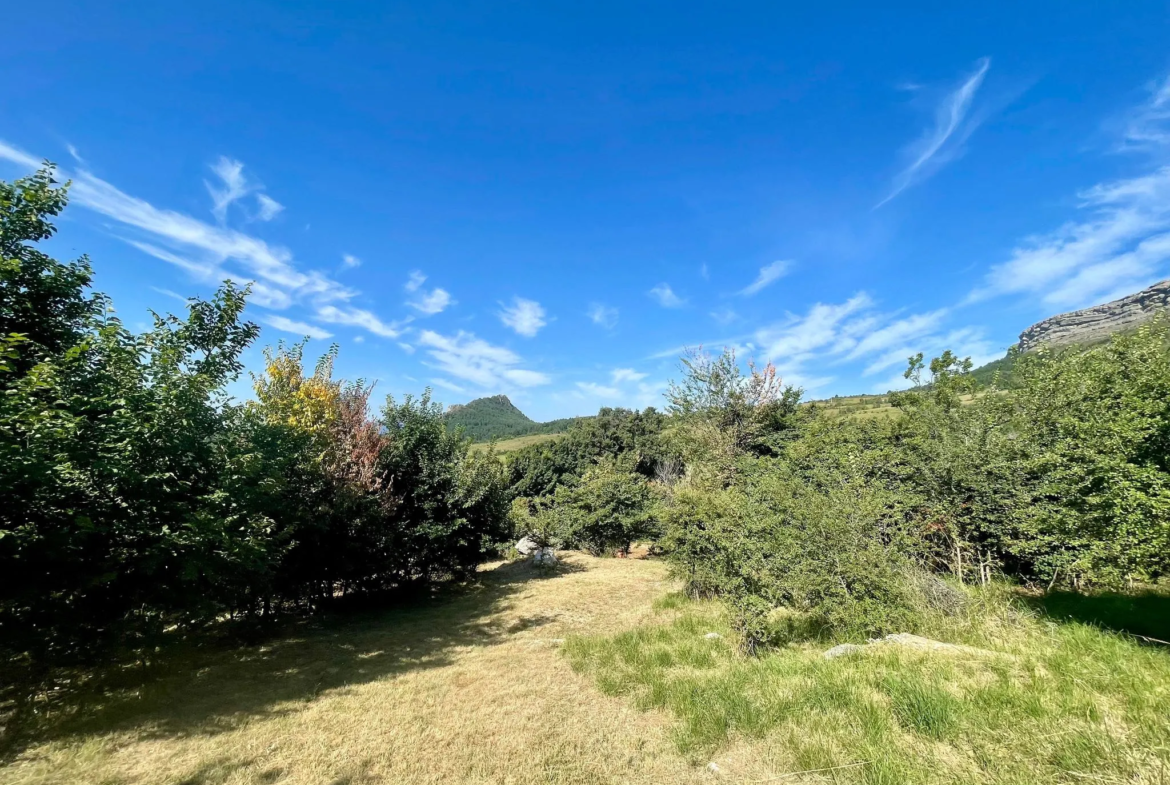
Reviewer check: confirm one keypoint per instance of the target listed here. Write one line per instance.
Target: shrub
(608, 510)
(834, 548)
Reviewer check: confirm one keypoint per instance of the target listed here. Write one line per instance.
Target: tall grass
(1049, 702)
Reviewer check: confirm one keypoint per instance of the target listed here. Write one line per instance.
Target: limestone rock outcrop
(1099, 322)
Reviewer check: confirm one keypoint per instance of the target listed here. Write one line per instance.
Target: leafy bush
(835, 551)
(1063, 477)
(607, 510)
(719, 414)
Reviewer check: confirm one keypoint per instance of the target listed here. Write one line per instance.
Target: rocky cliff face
(1100, 321)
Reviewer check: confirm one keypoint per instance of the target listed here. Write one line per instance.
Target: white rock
(713, 767)
(527, 546)
(712, 636)
(908, 641)
(926, 644)
(544, 557)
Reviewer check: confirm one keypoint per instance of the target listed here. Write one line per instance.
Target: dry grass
(476, 687)
(511, 445)
(870, 407)
(467, 689)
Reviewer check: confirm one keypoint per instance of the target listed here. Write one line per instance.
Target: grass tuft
(921, 706)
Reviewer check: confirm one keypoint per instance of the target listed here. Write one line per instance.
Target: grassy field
(865, 407)
(1046, 696)
(600, 673)
(856, 406)
(510, 445)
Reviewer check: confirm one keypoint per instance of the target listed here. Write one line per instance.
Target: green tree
(609, 509)
(720, 414)
(41, 300)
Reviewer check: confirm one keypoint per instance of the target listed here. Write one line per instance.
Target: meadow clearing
(599, 672)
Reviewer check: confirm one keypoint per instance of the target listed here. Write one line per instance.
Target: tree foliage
(140, 497)
(1063, 477)
(538, 469)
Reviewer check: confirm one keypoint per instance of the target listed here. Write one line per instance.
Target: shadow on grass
(208, 687)
(1144, 614)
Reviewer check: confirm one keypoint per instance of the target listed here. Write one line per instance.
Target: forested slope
(497, 417)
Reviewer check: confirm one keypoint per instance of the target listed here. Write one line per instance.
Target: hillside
(497, 417)
(505, 446)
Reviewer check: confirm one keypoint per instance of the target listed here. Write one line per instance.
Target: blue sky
(551, 200)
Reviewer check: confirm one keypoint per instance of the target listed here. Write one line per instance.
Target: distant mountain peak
(494, 401)
(496, 417)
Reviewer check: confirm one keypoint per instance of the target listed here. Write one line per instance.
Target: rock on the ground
(527, 546)
(907, 640)
(842, 650)
(712, 636)
(544, 557)
(926, 644)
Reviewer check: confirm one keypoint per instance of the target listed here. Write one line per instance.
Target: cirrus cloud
(474, 360)
(525, 317)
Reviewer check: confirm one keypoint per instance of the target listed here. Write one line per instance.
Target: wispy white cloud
(724, 316)
(768, 275)
(431, 303)
(804, 348)
(603, 315)
(896, 333)
(356, 317)
(349, 260)
(1122, 246)
(797, 338)
(203, 249)
(474, 360)
(943, 141)
(665, 296)
(263, 294)
(595, 390)
(287, 325)
(269, 208)
(76, 156)
(637, 397)
(1148, 126)
(620, 375)
(448, 385)
(964, 342)
(526, 317)
(172, 294)
(232, 186)
(18, 156)
(737, 343)
(415, 280)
